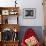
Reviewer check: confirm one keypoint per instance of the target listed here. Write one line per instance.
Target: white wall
(27, 4)
(39, 13)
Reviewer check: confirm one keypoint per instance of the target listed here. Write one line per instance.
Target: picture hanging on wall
(29, 13)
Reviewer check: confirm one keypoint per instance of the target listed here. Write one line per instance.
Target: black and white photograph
(29, 13)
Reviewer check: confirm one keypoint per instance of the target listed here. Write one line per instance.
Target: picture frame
(29, 13)
(13, 12)
(5, 12)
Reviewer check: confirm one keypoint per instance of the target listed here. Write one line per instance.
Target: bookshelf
(9, 22)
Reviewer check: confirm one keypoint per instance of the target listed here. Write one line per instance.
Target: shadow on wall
(37, 29)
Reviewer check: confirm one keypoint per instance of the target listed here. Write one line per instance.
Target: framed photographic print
(13, 12)
(30, 13)
(5, 12)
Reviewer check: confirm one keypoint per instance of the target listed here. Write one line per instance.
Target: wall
(39, 13)
(38, 21)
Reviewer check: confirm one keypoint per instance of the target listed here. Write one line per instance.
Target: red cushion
(29, 33)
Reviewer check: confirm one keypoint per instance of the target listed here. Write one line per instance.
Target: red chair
(29, 33)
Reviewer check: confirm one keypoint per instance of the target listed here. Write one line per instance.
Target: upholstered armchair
(30, 38)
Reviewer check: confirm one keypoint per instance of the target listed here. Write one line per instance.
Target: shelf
(9, 23)
(6, 12)
(10, 26)
(11, 41)
(9, 10)
(10, 19)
